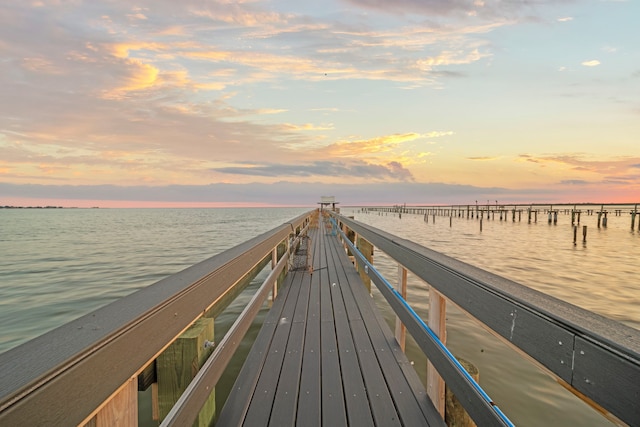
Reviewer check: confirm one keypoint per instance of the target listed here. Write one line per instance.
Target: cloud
(574, 182)
(335, 169)
(565, 19)
(487, 9)
(279, 193)
(483, 159)
(366, 147)
(612, 168)
(592, 63)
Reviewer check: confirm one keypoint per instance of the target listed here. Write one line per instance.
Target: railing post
(437, 323)
(121, 409)
(366, 249)
(401, 287)
(274, 261)
(353, 258)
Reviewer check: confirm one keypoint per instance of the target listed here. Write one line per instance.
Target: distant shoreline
(45, 207)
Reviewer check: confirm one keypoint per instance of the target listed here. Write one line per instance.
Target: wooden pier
(324, 355)
(516, 212)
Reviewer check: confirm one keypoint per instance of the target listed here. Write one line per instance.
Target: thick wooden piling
(179, 363)
(366, 249)
(455, 414)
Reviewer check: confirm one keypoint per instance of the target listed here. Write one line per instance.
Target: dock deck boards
(325, 356)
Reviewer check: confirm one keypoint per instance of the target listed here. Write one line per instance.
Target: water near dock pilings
(56, 265)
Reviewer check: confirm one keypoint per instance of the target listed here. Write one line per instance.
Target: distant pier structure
(326, 201)
(489, 211)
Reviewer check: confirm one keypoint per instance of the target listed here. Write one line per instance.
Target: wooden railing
(86, 371)
(596, 358)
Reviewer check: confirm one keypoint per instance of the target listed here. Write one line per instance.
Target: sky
(260, 103)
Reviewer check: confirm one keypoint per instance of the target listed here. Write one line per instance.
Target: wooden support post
(437, 323)
(455, 412)
(366, 249)
(401, 287)
(121, 409)
(274, 261)
(179, 363)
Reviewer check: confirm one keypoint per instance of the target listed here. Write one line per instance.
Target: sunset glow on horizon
(275, 103)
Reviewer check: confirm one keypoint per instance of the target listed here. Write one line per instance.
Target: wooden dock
(325, 356)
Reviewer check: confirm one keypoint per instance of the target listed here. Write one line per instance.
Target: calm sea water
(56, 265)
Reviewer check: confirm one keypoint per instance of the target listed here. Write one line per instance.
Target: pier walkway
(325, 356)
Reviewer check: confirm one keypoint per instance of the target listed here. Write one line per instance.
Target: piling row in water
(506, 212)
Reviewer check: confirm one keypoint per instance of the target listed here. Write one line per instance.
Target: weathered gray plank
(262, 401)
(333, 405)
(356, 400)
(309, 395)
(382, 405)
(286, 398)
(237, 403)
(411, 400)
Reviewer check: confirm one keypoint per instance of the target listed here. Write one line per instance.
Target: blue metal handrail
(474, 399)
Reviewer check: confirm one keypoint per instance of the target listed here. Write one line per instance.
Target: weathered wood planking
(309, 395)
(235, 408)
(405, 388)
(324, 357)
